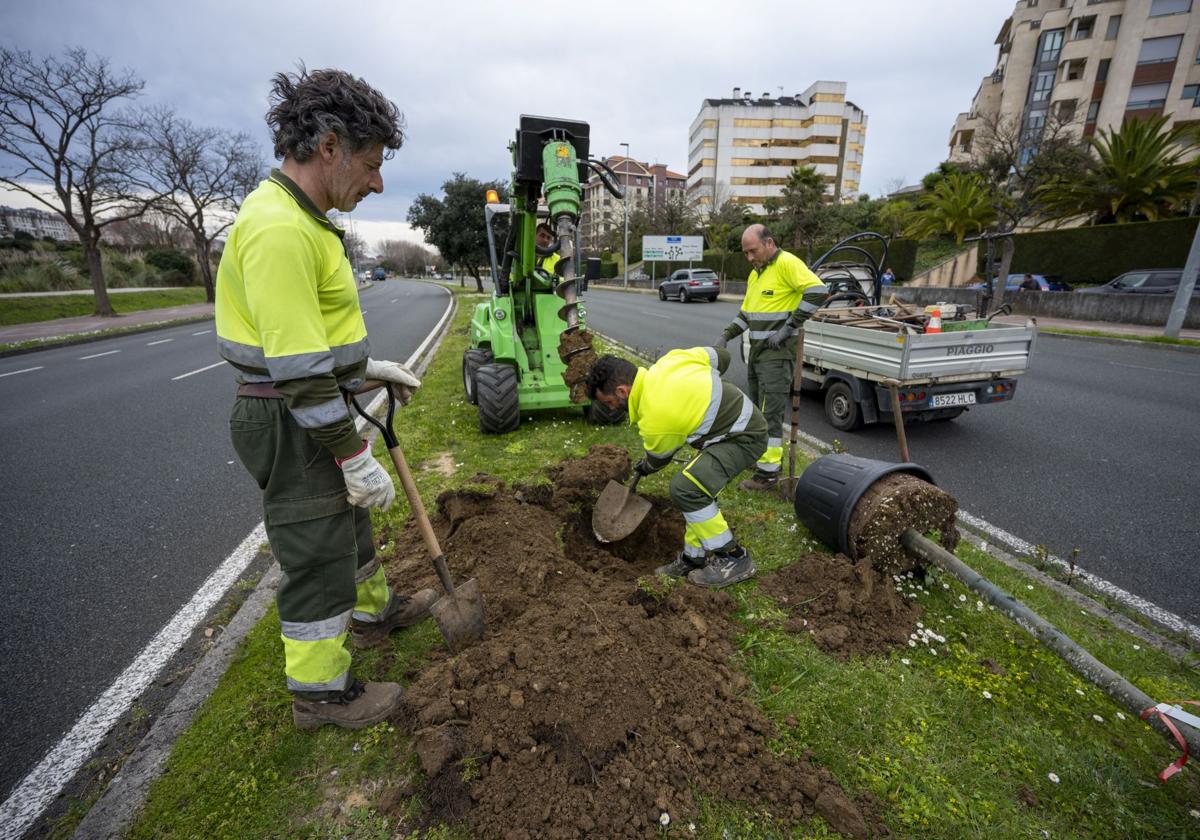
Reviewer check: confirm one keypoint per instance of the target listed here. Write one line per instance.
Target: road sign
(676, 248)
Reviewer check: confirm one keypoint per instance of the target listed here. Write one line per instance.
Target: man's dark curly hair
(607, 373)
(306, 106)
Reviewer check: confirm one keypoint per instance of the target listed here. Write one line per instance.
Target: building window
(1093, 110)
(1102, 69)
(1073, 69)
(1147, 96)
(1083, 28)
(1114, 26)
(1159, 50)
(1035, 120)
(1170, 7)
(1192, 92)
(1066, 110)
(748, 123)
(1051, 46)
(1043, 83)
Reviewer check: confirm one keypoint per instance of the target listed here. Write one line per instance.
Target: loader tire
(496, 391)
(598, 414)
(472, 361)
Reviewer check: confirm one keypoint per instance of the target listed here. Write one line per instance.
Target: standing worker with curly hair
(288, 319)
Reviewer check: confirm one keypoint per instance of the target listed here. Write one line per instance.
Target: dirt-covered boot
(761, 481)
(725, 568)
(680, 566)
(403, 611)
(362, 704)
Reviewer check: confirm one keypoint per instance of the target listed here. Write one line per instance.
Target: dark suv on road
(1147, 281)
(690, 284)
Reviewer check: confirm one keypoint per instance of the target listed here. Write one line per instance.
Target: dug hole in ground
(603, 702)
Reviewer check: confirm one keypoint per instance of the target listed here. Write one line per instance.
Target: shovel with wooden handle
(787, 487)
(459, 613)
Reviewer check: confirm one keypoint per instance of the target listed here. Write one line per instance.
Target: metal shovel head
(460, 616)
(618, 513)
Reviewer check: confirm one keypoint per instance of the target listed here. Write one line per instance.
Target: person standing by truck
(781, 294)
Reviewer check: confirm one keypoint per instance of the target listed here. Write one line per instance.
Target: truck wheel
(841, 409)
(472, 360)
(598, 414)
(496, 390)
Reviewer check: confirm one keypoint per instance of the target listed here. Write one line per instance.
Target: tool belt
(264, 390)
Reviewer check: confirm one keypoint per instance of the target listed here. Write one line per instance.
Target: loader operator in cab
(545, 239)
(681, 399)
(288, 320)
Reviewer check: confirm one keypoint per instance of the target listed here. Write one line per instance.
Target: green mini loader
(529, 348)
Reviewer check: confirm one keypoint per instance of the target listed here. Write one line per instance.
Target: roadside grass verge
(27, 310)
(914, 729)
(1151, 339)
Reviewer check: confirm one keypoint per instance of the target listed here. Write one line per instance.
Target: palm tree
(960, 203)
(1138, 174)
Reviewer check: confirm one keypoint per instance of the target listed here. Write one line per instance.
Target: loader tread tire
(499, 406)
(473, 359)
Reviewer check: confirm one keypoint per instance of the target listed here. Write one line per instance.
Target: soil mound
(849, 608)
(888, 508)
(596, 704)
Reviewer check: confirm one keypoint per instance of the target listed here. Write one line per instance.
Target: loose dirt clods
(575, 349)
(594, 705)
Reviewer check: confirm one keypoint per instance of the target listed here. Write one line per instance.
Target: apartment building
(1087, 65)
(743, 148)
(645, 184)
(37, 223)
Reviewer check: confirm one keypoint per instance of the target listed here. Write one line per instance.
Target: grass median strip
(968, 728)
(28, 310)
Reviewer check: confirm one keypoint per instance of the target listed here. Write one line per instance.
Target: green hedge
(1093, 255)
(902, 255)
(608, 269)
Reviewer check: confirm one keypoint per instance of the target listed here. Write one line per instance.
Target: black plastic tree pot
(827, 492)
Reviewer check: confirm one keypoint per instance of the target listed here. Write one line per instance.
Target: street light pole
(625, 269)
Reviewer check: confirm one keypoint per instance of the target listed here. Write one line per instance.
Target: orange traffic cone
(935, 322)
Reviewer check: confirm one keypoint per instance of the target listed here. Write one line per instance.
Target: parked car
(1145, 281)
(639, 277)
(1015, 280)
(690, 284)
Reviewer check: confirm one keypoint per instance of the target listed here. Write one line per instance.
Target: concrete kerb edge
(1105, 339)
(100, 335)
(122, 800)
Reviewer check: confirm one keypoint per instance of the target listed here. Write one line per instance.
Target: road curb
(1123, 342)
(122, 800)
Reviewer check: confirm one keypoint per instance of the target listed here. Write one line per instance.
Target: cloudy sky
(464, 71)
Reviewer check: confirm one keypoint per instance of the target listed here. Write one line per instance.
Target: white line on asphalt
(194, 372)
(160, 341)
(364, 312)
(393, 300)
(1023, 549)
(43, 784)
(202, 332)
(1160, 370)
(22, 370)
(656, 315)
(98, 355)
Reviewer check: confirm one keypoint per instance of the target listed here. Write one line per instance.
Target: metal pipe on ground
(1117, 687)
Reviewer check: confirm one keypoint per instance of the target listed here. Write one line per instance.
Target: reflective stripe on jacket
(784, 291)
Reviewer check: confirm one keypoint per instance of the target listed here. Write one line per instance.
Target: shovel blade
(460, 616)
(618, 513)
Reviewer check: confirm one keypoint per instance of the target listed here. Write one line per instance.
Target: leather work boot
(724, 569)
(680, 566)
(761, 481)
(362, 704)
(403, 611)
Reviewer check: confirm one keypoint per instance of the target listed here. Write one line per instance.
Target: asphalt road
(121, 494)
(1099, 449)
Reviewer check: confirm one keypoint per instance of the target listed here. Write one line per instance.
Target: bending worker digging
(682, 399)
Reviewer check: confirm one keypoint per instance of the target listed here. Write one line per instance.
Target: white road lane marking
(202, 332)
(194, 372)
(393, 300)
(43, 784)
(160, 341)
(656, 315)
(98, 355)
(22, 370)
(1160, 370)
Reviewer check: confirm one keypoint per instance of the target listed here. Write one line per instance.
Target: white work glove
(721, 342)
(405, 382)
(775, 340)
(367, 481)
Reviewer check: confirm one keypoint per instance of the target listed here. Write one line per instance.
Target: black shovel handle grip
(384, 427)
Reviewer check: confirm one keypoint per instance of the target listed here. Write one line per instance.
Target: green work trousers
(694, 491)
(770, 388)
(324, 545)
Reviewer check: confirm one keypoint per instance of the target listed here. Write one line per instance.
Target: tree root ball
(890, 507)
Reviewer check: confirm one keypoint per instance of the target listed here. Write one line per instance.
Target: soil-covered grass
(27, 310)
(968, 728)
